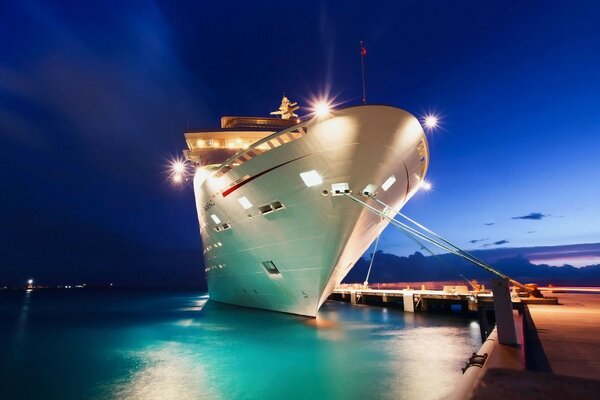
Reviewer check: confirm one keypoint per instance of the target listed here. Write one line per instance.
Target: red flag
(363, 50)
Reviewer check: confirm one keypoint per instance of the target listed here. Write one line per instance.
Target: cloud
(499, 242)
(531, 231)
(477, 240)
(534, 215)
(489, 223)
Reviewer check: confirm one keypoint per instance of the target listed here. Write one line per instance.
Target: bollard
(505, 323)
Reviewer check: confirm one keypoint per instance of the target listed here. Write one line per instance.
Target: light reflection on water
(147, 345)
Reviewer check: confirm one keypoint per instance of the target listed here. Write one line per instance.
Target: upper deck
(213, 146)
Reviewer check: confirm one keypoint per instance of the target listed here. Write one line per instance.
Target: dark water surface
(116, 344)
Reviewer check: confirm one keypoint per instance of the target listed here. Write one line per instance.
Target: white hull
(315, 239)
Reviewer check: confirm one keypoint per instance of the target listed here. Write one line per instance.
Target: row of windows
(261, 147)
(269, 266)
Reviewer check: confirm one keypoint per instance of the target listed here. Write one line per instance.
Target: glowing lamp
(388, 183)
(178, 167)
(431, 121)
(311, 178)
(245, 202)
(322, 109)
(425, 185)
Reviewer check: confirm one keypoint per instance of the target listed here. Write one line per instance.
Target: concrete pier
(414, 300)
(569, 335)
(550, 349)
(561, 358)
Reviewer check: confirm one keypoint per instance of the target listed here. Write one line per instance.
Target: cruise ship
(279, 231)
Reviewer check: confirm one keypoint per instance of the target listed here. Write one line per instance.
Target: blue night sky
(94, 98)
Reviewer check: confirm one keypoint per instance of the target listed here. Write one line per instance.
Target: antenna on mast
(363, 53)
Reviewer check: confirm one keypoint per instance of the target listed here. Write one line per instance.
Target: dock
(413, 300)
(545, 348)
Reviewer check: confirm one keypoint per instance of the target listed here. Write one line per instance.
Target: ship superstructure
(277, 229)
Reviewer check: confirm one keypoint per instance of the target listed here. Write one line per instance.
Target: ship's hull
(315, 238)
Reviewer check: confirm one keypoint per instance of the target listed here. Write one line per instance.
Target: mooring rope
(448, 246)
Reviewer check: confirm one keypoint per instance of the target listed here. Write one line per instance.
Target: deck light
(322, 109)
(425, 185)
(311, 178)
(178, 167)
(245, 202)
(389, 182)
(431, 121)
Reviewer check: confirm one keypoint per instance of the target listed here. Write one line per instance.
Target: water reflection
(347, 352)
(167, 371)
(147, 345)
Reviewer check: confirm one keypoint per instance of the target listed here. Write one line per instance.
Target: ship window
(245, 202)
(338, 189)
(388, 183)
(270, 267)
(276, 205)
(311, 178)
(369, 190)
(267, 208)
(215, 218)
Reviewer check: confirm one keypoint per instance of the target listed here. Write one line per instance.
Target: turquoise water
(80, 344)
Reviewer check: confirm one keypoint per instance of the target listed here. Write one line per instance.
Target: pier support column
(353, 298)
(505, 322)
(409, 302)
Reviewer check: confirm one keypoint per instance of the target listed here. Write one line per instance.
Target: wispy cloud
(534, 216)
(489, 223)
(498, 243)
(477, 240)
(531, 231)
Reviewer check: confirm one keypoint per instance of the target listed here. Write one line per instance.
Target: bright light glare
(178, 167)
(431, 121)
(321, 109)
(29, 282)
(311, 178)
(177, 178)
(425, 185)
(321, 106)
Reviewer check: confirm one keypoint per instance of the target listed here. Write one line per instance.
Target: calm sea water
(88, 344)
